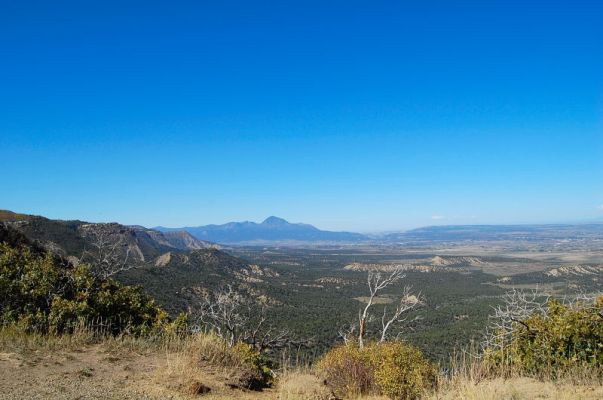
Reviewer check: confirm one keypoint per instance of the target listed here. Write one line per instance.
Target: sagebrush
(393, 369)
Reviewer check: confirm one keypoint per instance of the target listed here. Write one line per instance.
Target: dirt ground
(95, 373)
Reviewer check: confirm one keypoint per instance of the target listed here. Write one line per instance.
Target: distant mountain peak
(272, 220)
(271, 230)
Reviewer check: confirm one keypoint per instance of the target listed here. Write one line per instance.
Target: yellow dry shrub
(393, 369)
(348, 371)
(401, 371)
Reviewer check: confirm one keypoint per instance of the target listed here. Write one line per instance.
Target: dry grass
(471, 379)
(306, 386)
(76, 367)
(204, 363)
(90, 365)
(302, 385)
(516, 389)
(63, 366)
(184, 370)
(14, 339)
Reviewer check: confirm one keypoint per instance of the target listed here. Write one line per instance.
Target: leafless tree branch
(517, 306)
(109, 253)
(236, 318)
(376, 282)
(408, 301)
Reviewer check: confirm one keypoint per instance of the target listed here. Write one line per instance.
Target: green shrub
(393, 369)
(564, 337)
(250, 357)
(178, 326)
(43, 293)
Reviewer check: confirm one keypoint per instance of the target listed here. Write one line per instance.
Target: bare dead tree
(579, 299)
(376, 282)
(236, 318)
(516, 307)
(348, 332)
(513, 315)
(408, 301)
(225, 312)
(263, 336)
(109, 253)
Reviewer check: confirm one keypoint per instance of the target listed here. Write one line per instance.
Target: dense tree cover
(44, 293)
(456, 308)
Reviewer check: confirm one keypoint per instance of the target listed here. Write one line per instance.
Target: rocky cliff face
(74, 238)
(184, 240)
(576, 270)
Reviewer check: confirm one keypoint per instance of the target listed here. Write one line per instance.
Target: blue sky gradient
(348, 115)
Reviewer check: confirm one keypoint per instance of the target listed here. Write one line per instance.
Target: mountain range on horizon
(275, 230)
(272, 229)
(278, 231)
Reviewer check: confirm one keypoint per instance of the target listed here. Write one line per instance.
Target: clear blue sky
(348, 115)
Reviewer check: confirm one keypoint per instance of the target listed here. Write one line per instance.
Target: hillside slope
(173, 267)
(73, 238)
(178, 281)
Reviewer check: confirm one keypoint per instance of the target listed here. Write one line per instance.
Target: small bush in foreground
(393, 369)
